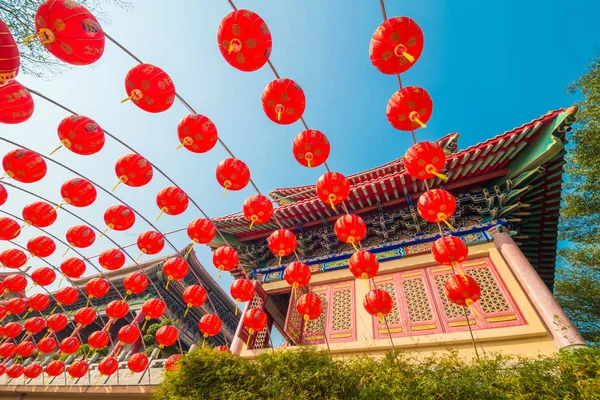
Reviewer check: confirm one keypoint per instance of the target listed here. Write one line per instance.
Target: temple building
(508, 191)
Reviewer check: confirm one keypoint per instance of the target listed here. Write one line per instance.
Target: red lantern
(47, 345)
(57, 322)
(80, 236)
(34, 325)
(98, 339)
(210, 325)
(33, 371)
(41, 246)
(78, 192)
(223, 349)
(137, 362)
(66, 296)
(135, 283)
(242, 290)
(197, 133)
(3, 310)
(282, 242)
(201, 230)
(55, 368)
(396, 45)
(111, 259)
(39, 214)
(117, 309)
(85, 316)
(2, 369)
(409, 108)
(233, 174)
(150, 242)
(436, 205)
(10, 60)
(297, 274)
(97, 288)
(255, 320)
(70, 32)
(73, 268)
(363, 265)
(16, 306)
(309, 306)
(69, 345)
(3, 192)
(332, 188)
(350, 228)
(258, 209)
(462, 290)
(108, 366)
(424, 160)
(133, 170)
(175, 268)
(38, 302)
(283, 101)
(378, 303)
(14, 371)
(25, 349)
(172, 361)
(78, 369)
(194, 296)
(153, 308)
(8, 350)
(14, 283)
(172, 201)
(119, 217)
(16, 106)
(9, 228)
(13, 258)
(81, 135)
(450, 250)
(12, 329)
(311, 148)
(225, 258)
(166, 336)
(150, 88)
(128, 334)
(244, 40)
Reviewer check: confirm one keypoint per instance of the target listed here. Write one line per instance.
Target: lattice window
(450, 309)
(342, 317)
(316, 325)
(394, 316)
(492, 299)
(419, 308)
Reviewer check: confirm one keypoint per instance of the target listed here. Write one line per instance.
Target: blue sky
(489, 66)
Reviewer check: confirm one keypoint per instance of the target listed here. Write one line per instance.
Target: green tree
(578, 280)
(150, 340)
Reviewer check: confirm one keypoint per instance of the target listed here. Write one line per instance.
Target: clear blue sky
(489, 66)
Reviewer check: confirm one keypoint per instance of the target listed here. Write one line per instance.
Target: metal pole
(471, 332)
(325, 335)
(389, 333)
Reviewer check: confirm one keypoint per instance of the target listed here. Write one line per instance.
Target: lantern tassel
(219, 274)
(127, 99)
(308, 162)
(54, 309)
(160, 215)
(453, 229)
(61, 279)
(158, 353)
(224, 191)
(87, 303)
(137, 259)
(102, 234)
(29, 38)
(421, 124)
(236, 308)
(144, 326)
(279, 115)
(178, 147)
(54, 151)
(354, 245)
(280, 261)
(248, 341)
(110, 321)
(408, 57)
(190, 250)
(167, 285)
(203, 341)
(430, 169)
(253, 219)
(98, 380)
(65, 253)
(58, 206)
(116, 186)
(186, 311)
(332, 197)
(26, 314)
(469, 304)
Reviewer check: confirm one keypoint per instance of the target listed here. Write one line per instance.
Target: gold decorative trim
(320, 289)
(474, 263)
(503, 318)
(462, 323)
(340, 335)
(316, 337)
(392, 330)
(411, 274)
(342, 285)
(385, 278)
(423, 327)
(441, 269)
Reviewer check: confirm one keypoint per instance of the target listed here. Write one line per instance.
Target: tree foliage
(150, 340)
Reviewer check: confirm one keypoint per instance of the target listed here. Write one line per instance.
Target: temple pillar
(237, 344)
(555, 319)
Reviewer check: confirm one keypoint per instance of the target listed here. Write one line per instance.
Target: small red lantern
(309, 306)
(128, 334)
(9, 228)
(73, 268)
(201, 230)
(409, 108)
(78, 192)
(78, 369)
(111, 259)
(85, 316)
(98, 339)
(450, 250)
(41, 246)
(223, 349)
(166, 336)
(133, 170)
(172, 361)
(462, 290)
(350, 228)
(16, 106)
(437, 205)
(172, 201)
(210, 325)
(12, 329)
(311, 148)
(137, 362)
(3, 310)
(255, 320)
(2, 369)
(119, 217)
(108, 366)
(283, 101)
(97, 288)
(424, 160)
(194, 296)
(135, 283)
(70, 32)
(57, 322)
(55, 368)
(14, 283)
(13, 258)
(175, 268)
(81, 135)
(39, 214)
(3, 192)
(69, 345)
(153, 308)
(34, 325)
(282, 242)
(258, 209)
(396, 45)
(242, 290)
(363, 264)
(150, 88)
(66, 296)
(233, 174)
(25, 349)
(150, 242)
(10, 59)
(225, 258)
(14, 371)
(80, 236)
(117, 309)
(297, 274)
(7, 350)
(333, 188)
(33, 370)
(378, 303)
(38, 302)
(16, 306)
(197, 133)
(47, 345)
(244, 40)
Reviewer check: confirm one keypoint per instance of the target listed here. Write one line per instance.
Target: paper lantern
(25, 349)
(311, 148)
(55, 368)
(81, 135)
(462, 290)
(137, 362)
(7, 350)
(9, 228)
(332, 188)
(14, 283)
(12, 330)
(225, 258)
(117, 309)
(2, 369)
(283, 101)
(47, 345)
(34, 325)
(255, 320)
(128, 334)
(85, 316)
(80, 236)
(424, 160)
(119, 217)
(194, 296)
(233, 174)
(3, 192)
(135, 283)
(450, 250)
(201, 230)
(43, 276)
(97, 288)
(210, 325)
(16, 306)
(3, 310)
(41, 246)
(78, 192)
(78, 369)
(13, 258)
(258, 209)
(197, 133)
(69, 345)
(171, 201)
(33, 371)
(396, 45)
(244, 40)
(309, 306)
(10, 59)
(111, 259)
(14, 371)
(73, 268)
(350, 228)
(242, 290)
(282, 243)
(166, 336)
(133, 170)
(150, 88)
(66, 296)
(363, 264)
(57, 322)
(297, 274)
(153, 308)
(409, 108)
(150, 242)
(98, 339)
(39, 214)
(172, 361)
(175, 268)
(378, 303)
(108, 366)
(16, 104)
(437, 205)
(38, 302)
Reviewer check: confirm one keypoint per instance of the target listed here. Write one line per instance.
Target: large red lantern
(258, 209)
(81, 135)
(225, 258)
(70, 32)
(409, 108)
(333, 188)
(166, 336)
(242, 290)
(25, 349)
(350, 228)
(378, 303)
(210, 325)
(78, 192)
(172, 361)
(233, 174)
(424, 160)
(137, 362)
(117, 309)
(450, 250)
(16, 306)
(111, 259)
(437, 205)
(85, 316)
(283, 101)
(309, 306)
(363, 264)
(255, 320)
(38, 302)
(297, 274)
(462, 290)
(81, 236)
(57, 322)
(2, 369)
(14, 371)
(9, 228)
(282, 243)
(66, 296)
(33, 371)
(175, 268)
(69, 345)
(72, 268)
(128, 334)
(197, 133)
(98, 339)
(108, 366)
(3, 192)
(13, 258)
(55, 368)
(244, 40)
(135, 283)
(47, 345)
(14, 283)
(34, 325)
(97, 288)
(194, 296)
(78, 369)
(172, 201)
(153, 308)
(12, 329)
(16, 106)
(39, 214)
(311, 148)
(150, 242)
(41, 246)
(7, 350)
(396, 45)
(10, 59)
(150, 88)
(119, 217)
(201, 230)
(133, 170)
